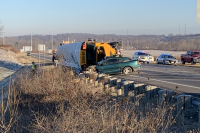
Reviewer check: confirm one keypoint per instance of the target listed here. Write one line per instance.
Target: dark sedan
(114, 65)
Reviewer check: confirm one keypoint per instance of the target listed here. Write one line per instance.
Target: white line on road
(166, 82)
(172, 72)
(185, 79)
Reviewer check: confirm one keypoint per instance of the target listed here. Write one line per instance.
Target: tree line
(159, 42)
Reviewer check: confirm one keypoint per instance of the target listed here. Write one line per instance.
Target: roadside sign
(41, 47)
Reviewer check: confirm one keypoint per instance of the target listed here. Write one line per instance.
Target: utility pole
(31, 43)
(3, 38)
(127, 38)
(185, 29)
(52, 42)
(179, 28)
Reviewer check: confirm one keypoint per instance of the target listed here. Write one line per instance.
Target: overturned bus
(83, 54)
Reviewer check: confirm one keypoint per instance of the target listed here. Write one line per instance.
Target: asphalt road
(178, 78)
(182, 79)
(42, 56)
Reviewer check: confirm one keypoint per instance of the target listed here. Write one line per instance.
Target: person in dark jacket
(53, 58)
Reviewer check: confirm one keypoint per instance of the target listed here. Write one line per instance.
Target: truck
(192, 57)
(80, 55)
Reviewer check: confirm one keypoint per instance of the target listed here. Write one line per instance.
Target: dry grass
(9, 109)
(9, 48)
(53, 101)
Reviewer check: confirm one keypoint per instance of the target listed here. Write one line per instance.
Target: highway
(181, 79)
(42, 56)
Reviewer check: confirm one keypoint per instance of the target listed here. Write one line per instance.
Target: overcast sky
(121, 17)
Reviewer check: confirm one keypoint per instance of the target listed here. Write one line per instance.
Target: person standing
(33, 68)
(53, 58)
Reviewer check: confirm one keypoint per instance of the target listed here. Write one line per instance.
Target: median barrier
(100, 76)
(161, 96)
(126, 88)
(187, 107)
(138, 89)
(188, 102)
(119, 83)
(106, 87)
(150, 92)
(169, 94)
(113, 81)
(180, 110)
(119, 92)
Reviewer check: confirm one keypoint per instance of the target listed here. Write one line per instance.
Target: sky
(120, 17)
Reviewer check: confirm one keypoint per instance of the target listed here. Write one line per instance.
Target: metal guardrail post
(161, 96)
(180, 110)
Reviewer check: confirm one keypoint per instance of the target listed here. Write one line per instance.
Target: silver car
(166, 59)
(143, 56)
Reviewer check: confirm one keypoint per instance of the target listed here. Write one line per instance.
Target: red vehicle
(192, 57)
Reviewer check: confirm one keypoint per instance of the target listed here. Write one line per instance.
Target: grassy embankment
(54, 101)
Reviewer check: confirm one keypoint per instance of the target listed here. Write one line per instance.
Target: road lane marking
(185, 79)
(174, 73)
(167, 82)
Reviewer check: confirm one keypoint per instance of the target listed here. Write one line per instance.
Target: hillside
(151, 42)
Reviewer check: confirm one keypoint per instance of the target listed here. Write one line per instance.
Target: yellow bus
(84, 54)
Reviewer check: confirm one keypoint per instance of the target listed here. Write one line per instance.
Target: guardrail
(187, 106)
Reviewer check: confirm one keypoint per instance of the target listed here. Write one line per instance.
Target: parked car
(192, 57)
(115, 65)
(28, 53)
(166, 59)
(143, 56)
